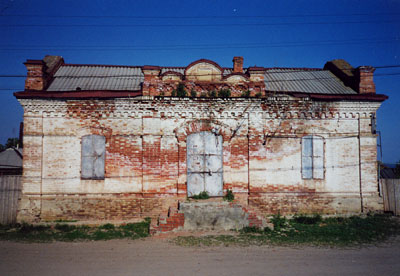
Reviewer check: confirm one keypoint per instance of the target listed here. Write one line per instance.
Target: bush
(279, 222)
(308, 219)
(224, 93)
(180, 90)
(212, 94)
(107, 226)
(65, 227)
(251, 229)
(193, 93)
(246, 94)
(202, 195)
(229, 196)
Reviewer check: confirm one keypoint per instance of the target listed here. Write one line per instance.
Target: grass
(299, 230)
(66, 232)
(307, 230)
(202, 195)
(229, 196)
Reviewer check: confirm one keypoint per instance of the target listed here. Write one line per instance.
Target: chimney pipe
(36, 77)
(237, 64)
(364, 76)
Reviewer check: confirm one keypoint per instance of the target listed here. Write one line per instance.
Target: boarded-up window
(93, 153)
(312, 157)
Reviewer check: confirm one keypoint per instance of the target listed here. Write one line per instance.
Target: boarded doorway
(204, 163)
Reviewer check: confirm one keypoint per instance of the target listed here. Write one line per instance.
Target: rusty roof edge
(83, 94)
(332, 97)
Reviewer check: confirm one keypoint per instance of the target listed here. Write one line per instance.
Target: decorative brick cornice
(189, 109)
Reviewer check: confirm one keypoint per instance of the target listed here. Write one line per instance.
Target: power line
(268, 71)
(137, 76)
(196, 25)
(199, 16)
(200, 47)
(202, 75)
(213, 45)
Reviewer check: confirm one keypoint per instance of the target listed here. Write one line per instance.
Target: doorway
(204, 164)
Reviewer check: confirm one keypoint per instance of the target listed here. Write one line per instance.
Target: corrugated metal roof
(173, 69)
(96, 77)
(10, 159)
(306, 81)
(100, 77)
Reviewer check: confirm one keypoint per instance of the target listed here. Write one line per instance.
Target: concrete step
(208, 215)
(217, 216)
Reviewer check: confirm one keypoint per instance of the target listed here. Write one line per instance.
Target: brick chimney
(359, 79)
(364, 77)
(151, 76)
(36, 77)
(40, 72)
(237, 64)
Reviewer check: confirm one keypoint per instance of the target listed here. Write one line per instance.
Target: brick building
(124, 142)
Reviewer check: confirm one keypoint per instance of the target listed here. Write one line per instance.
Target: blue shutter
(306, 157)
(99, 147)
(318, 157)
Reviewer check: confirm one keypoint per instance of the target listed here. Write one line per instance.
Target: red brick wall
(145, 165)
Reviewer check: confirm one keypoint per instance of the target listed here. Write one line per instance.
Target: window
(93, 153)
(312, 157)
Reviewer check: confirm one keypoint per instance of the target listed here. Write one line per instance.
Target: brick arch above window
(195, 126)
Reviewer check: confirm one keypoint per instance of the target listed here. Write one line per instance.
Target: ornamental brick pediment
(203, 70)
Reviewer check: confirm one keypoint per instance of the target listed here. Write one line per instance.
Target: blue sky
(175, 33)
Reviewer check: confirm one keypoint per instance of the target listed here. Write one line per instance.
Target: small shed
(10, 184)
(11, 161)
(390, 183)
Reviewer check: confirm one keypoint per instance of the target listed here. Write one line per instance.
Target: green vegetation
(229, 196)
(224, 93)
(212, 94)
(397, 169)
(202, 195)
(180, 90)
(11, 143)
(307, 230)
(65, 220)
(193, 93)
(258, 95)
(69, 232)
(246, 94)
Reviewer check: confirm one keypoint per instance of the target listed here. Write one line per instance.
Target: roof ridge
(101, 65)
(295, 68)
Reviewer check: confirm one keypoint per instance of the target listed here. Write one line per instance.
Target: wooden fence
(391, 195)
(10, 191)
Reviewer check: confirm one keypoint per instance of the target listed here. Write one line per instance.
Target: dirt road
(154, 256)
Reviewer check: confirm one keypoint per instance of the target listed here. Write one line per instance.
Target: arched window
(312, 157)
(93, 155)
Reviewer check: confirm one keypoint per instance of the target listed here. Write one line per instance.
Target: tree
(11, 143)
(180, 90)
(397, 169)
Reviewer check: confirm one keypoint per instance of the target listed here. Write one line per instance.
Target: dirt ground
(157, 256)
